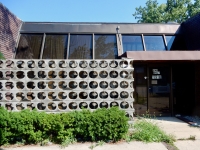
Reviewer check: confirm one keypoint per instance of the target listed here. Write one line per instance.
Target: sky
(75, 10)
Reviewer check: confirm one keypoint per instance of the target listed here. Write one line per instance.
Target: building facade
(165, 58)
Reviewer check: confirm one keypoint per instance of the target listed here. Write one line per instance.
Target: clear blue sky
(75, 10)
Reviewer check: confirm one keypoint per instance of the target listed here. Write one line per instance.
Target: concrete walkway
(170, 125)
(88, 146)
(182, 131)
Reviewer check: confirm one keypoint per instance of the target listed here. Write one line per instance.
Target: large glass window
(132, 43)
(154, 43)
(80, 47)
(175, 42)
(106, 47)
(29, 46)
(55, 47)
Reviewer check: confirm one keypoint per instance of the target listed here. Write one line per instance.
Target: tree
(152, 13)
(173, 11)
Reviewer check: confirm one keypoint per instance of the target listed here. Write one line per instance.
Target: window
(175, 42)
(154, 43)
(106, 47)
(29, 46)
(170, 41)
(55, 47)
(132, 43)
(80, 47)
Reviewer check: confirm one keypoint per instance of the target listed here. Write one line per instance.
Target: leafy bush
(108, 124)
(34, 127)
(147, 131)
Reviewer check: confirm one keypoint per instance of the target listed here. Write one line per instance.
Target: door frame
(147, 65)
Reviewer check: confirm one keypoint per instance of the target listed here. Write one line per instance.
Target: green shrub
(147, 131)
(4, 126)
(108, 124)
(33, 127)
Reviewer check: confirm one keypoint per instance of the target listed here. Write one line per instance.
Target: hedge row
(35, 127)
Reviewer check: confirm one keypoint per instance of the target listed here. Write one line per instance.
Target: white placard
(156, 77)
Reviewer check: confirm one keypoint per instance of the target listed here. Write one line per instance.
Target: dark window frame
(41, 46)
(155, 35)
(117, 48)
(143, 48)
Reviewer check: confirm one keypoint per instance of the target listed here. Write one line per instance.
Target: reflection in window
(176, 43)
(154, 43)
(29, 46)
(55, 47)
(170, 41)
(106, 47)
(80, 47)
(132, 43)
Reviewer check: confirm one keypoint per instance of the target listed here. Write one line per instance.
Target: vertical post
(93, 46)
(165, 42)
(68, 43)
(144, 46)
(147, 69)
(171, 93)
(42, 48)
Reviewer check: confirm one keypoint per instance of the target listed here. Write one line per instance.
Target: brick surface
(9, 30)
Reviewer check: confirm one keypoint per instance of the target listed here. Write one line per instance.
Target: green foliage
(64, 128)
(67, 142)
(147, 131)
(108, 124)
(173, 11)
(1, 56)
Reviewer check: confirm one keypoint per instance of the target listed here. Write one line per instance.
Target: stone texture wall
(9, 29)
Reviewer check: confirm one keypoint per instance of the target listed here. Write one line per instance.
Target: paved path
(181, 130)
(170, 125)
(87, 146)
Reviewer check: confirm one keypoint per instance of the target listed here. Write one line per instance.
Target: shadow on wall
(9, 27)
(191, 30)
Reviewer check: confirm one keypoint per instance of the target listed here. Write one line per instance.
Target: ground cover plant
(148, 131)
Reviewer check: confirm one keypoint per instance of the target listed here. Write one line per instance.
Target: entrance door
(151, 90)
(140, 89)
(159, 91)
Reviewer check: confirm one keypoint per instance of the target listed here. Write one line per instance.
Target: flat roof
(100, 27)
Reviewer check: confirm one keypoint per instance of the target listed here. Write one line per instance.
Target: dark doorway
(152, 90)
(183, 83)
(159, 91)
(140, 89)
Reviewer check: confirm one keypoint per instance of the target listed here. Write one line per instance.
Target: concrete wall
(9, 29)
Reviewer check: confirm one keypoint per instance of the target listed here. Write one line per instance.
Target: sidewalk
(181, 130)
(170, 125)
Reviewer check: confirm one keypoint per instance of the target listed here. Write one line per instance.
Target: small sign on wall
(156, 77)
(155, 71)
(154, 82)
